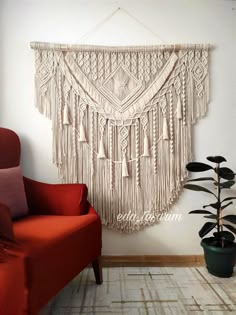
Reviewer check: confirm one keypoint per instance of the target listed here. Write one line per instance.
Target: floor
(146, 291)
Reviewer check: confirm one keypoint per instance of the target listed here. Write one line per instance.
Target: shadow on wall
(1, 63)
(29, 162)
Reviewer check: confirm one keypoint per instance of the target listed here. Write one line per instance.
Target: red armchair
(13, 293)
(59, 237)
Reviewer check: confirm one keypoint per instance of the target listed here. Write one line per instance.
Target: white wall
(176, 21)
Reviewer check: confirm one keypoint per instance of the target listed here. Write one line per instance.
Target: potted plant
(219, 249)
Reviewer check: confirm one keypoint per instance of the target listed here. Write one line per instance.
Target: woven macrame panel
(122, 122)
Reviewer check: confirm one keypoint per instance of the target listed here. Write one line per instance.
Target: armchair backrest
(10, 148)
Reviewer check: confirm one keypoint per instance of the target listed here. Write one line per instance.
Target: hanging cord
(109, 17)
(98, 25)
(143, 25)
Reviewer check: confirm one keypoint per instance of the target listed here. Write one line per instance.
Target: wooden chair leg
(97, 268)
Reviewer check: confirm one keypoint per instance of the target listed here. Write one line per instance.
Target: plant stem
(218, 198)
(219, 211)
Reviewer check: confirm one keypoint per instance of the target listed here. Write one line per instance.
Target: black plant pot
(219, 261)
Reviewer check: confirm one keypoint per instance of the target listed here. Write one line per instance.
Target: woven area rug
(146, 291)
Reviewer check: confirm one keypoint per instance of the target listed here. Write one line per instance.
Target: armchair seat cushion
(47, 230)
(47, 242)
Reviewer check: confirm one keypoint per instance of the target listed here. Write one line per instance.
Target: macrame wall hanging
(122, 121)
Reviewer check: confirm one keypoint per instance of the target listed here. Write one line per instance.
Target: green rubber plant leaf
(207, 227)
(201, 179)
(227, 184)
(230, 227)
(216, 159)
(228, 198)
(198, 188)
(215, 205)
(212, 216)
(227, 204)
(198, 167)
(224, 235)
(200, 212)
(225, 172)
(230, 218)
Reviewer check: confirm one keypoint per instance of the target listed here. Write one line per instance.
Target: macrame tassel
(179, 109)
(145, 146)
(125, 172)
(101, 152)
(66, 120)
(165, 129)
(81, 133)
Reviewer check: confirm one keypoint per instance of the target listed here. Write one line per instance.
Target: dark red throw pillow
(6, 229)
(2, 253)
(56, 199)
(8, 243)
(12, 193)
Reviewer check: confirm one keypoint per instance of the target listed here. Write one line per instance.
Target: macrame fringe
(42, 101)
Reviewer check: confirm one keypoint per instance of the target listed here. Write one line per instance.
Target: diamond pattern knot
(199, 71)
(120, 87)
(123, 137)
(43, 73)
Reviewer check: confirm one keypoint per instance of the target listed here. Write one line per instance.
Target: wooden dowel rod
(68, 47)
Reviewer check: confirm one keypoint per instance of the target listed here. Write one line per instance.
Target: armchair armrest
(57, 199)
(91, 210)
